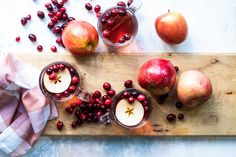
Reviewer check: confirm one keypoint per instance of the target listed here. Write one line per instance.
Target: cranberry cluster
(52, 74)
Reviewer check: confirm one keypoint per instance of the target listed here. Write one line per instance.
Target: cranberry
(66, 94)
(79, 122)
(99, 101)
(58, 96)
(73, 105)
(49, 71)
(104, 97)
(73, 124)
(122, 40)
(50, 14)
(126, 94)
(62, 10)
(98, 114)
(178, 105)
(121, 4)
(50, 25)
(54, 20)
(108, 102)
(141, 98)
(58, 15)
(89, 106)
(107, 15)
(98, 15)
(128, 84)
(61, 66)
(23, 21)
(57, 30)
(47, 5)
(40, 14)
(146, 108)
(50, 8)
(64, 1)
(171, 117)
(121, 12)
(55, 68)
(131, 100)
(69, 110)
(176, 68)
(32, 37)
(114, 12)
(111, 93)
(64, 16)
(40, 48)
(127, 36)
(180, 116)
(77, 113)
(134, 93)
(103, 21)
(60, 125)
(28, 17)
(74, 80)
(111, 22)
(106, 33)
(97, 94)
(129, 2)
(60, 5)
(107, 86)
(71, 19)
(17, 38)
(83, 116)
(72, 89)
(54, 49)
(79, 102)
(55, 2)
(88, 6)
(97, 8)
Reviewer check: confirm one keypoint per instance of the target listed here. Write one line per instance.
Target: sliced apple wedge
(60, 84)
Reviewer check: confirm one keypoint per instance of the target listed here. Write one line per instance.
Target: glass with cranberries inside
(118, 25)
(130, 109)
(60, 81)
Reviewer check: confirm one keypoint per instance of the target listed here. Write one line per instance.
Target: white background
(212, 28)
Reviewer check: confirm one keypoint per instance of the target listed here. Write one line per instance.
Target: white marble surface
(212, 28)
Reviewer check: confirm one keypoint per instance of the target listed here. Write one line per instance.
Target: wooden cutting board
(215, 117)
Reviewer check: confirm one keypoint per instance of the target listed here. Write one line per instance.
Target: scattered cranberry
(126, 94)
(54, 20)
(50, 8)
(181, 116)
(40, 48)
(47, 5)
(127, 36)
(104, 97)
(54, 2)
(97, 8)
(54, 49)
(178, 104)
(60, 5)
(121, 4)
(111, 93)
(73, 105)
(60, 125)
(176, 68)
(99, 101)
(129, 2)
(83, 116)
(128, 84)
(97, 94)
(28, 17)
(131, 100)
(122, 40)
(98, 114)
(106, 33)
(50, 25)
(62, 10)
(111, 22)
(17, 38)
(64, 1)
(107, 86)
(141, 98)
(108, 102)
(69, 110)
(40, 14)
(57, 30)
(79, 122)
(171, 117)
(79, 102)
(73, 124)
(58, 15)
(32, 37)
(23, 21)
(64, 16)
(50, 14)
(77, 113)
(72, 89)
(88, 6)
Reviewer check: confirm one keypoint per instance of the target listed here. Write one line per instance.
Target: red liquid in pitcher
(118, 25)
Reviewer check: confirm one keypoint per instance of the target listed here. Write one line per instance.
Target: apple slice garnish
(60, 84)
(129, 114)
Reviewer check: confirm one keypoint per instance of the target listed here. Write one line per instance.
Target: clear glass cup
(64, 84)
(118, 26)
(141, 109)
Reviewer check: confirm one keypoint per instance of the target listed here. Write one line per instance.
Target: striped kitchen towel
(24, 111)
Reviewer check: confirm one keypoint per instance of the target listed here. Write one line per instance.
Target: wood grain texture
(215, 117)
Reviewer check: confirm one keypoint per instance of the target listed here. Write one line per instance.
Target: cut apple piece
(59, 85)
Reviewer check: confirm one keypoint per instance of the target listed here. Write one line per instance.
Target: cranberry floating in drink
(127, 113)
(118, 26)
(60, 81)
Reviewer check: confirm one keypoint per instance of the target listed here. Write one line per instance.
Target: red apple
(80, 37)
(171, 27)
(193, 88)
(157, 76)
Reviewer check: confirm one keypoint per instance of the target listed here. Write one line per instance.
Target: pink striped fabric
(24, 111)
